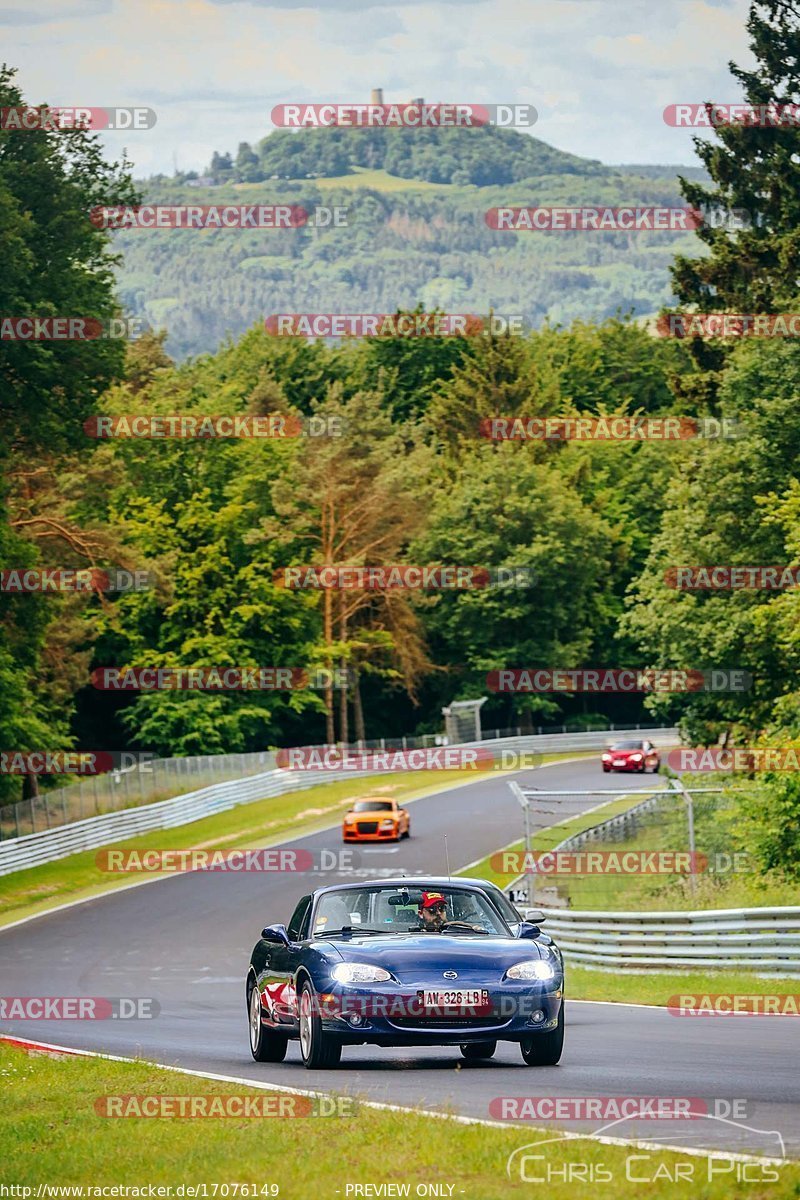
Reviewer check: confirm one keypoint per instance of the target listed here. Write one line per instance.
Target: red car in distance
(631, 756)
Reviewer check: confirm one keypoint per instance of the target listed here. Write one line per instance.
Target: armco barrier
(51, 844)
(752, 939)
(16, 854)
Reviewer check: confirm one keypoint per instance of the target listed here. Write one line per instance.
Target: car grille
(444, 1022)
(367, 826)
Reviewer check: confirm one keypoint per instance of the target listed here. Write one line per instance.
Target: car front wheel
(265, 1044)
(319, 1050)
(473, 1051)
(544, 1049)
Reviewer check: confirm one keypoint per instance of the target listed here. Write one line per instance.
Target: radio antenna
(447, 858)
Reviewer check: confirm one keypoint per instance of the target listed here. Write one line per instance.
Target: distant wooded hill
(416, 234)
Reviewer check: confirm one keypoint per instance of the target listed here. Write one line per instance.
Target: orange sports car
(376, 821)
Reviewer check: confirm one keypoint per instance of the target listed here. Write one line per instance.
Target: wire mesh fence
(645, 849)
(151, 780)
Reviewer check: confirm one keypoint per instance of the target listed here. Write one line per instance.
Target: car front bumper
(396, 1018)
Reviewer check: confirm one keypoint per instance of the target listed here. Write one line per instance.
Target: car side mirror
(528, 930)
(535, 915)
(275, 933)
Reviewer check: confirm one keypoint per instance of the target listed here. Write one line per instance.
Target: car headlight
(359, 973)
(636, 758)
(532, 968)
(606, 755)
(349, 820)
(387, 824)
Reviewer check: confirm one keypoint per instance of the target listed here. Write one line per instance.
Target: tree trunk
(30, 787)
(330, 733)
(344, 731)
(358, 710)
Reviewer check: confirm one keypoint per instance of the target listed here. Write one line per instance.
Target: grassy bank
(52, 1106)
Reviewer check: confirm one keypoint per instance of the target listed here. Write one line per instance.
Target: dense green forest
(415, 235)
(410, 479)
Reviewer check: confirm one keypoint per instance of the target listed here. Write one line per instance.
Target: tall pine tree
(754, 167)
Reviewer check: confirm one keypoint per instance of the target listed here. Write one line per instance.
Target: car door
(277, 987)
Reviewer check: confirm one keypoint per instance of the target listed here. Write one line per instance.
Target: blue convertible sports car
(406, 962)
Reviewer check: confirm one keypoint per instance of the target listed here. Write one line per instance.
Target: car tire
(474, 1051)
(544, 1049)
(320, 1051)
(408, 831)
(606, 770)
(265, 1044)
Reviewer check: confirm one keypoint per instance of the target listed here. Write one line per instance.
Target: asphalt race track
(186, 940)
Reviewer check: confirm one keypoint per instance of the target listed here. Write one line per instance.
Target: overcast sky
(599, 72)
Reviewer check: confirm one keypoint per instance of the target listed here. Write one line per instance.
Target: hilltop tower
(376, 96)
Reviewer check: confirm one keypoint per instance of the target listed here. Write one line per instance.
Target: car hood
(430, 950)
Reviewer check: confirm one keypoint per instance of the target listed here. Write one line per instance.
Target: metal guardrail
(147, 780)
(35, 848)
(753, 939)
(16, 854)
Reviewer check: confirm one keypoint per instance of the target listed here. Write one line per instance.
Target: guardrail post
(687, 799)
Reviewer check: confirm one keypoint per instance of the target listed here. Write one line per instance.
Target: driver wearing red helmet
(432, 912)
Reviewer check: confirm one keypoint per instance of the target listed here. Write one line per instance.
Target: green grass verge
(546, 839)
(658, 988)
(51, 1107)
(258, 823)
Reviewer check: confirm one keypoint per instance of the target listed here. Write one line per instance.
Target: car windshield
(467, 912)
(626, 746)
(373, 806)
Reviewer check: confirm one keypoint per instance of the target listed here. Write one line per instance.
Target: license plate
(457, 998)
(620, 762)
